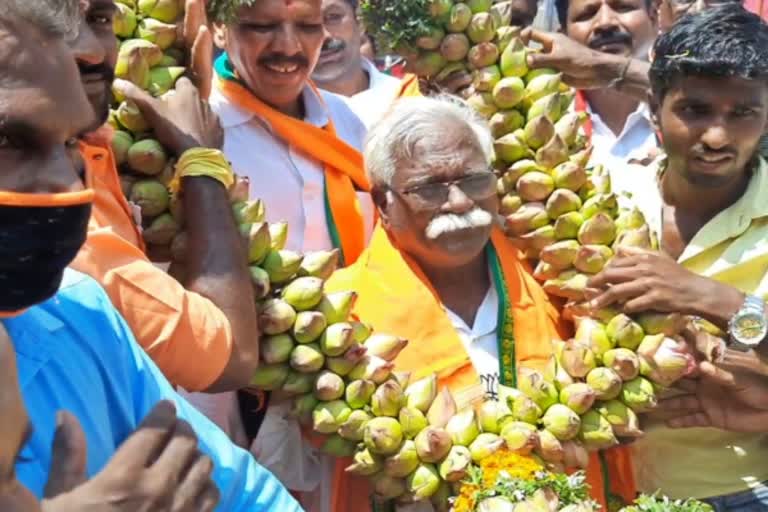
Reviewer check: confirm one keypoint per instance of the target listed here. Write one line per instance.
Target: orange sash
(395, 297)
(343, 166)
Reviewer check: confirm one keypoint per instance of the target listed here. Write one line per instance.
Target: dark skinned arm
(217, 268)
(585, 68)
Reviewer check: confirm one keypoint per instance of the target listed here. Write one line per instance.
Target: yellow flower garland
(513, 464)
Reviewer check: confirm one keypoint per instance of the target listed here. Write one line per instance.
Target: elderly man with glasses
(439, 271)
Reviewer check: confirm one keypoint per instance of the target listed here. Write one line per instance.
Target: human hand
(736, 401)
(198, 38)
(180, 119)
(581, 66)
(158, 468)
(455, 82)
(643, 280)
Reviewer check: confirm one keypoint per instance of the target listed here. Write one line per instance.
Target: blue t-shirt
(76, 353)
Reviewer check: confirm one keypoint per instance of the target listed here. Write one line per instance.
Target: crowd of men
(121, 386)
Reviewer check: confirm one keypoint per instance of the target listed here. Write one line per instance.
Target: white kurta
(289, 181)
(371, 104)
(635, 141)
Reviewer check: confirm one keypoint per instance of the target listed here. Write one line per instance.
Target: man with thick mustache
(342, 69)
(706, 202)
(300, 148)
(306, 141)
(440, 273)
(623, 30)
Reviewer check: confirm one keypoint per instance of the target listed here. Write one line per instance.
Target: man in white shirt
(300, 148)
(620, 127)
(343, 70)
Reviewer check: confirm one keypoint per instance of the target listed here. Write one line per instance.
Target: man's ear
(382, 198)
(654, 104)
(220, 36)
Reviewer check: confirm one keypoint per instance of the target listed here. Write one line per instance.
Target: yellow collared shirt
(731, 248)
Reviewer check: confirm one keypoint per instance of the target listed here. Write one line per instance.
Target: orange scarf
(343, 164)
(395, 297)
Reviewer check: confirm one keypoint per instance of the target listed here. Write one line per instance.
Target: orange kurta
(185, 333)
(395, 297)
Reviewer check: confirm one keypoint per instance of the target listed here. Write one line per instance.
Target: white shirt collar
(641, 114)
(486, 318)
(232, 115)
(375, 77)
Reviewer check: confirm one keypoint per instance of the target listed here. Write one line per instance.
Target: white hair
(58, 18)
(392, 141)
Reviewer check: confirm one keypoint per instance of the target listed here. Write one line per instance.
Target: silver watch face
(749, 328)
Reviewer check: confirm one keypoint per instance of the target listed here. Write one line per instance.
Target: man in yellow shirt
(707, 202)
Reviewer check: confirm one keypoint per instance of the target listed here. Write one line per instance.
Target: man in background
(343, 69)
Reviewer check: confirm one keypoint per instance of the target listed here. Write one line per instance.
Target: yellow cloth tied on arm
(203, 162)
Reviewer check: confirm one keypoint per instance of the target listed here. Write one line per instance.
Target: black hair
(561, 6)
(723, 41)
(354, 4)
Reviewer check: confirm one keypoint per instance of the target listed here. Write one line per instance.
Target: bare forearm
(635, 82)
(217, 269)
(719, 303)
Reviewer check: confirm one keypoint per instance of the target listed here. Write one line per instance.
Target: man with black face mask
(74, 351)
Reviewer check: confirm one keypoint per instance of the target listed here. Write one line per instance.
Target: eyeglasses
(477, 186)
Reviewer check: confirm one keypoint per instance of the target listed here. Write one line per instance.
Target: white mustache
(451, 222)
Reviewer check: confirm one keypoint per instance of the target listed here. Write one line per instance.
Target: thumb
(146, 103)
(544, 39)
(630, 251)
(717, 375)
(202, 59)
(69, 457)
(542, 60)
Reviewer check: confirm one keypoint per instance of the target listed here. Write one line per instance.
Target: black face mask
(37, 242)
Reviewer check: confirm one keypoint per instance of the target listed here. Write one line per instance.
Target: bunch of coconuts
(151, 55)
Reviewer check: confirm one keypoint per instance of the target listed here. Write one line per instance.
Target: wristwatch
(749, 326)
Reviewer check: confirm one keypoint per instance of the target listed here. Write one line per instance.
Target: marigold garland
(513, 464)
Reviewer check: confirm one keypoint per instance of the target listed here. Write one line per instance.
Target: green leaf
(396, 22)
(225, 11)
